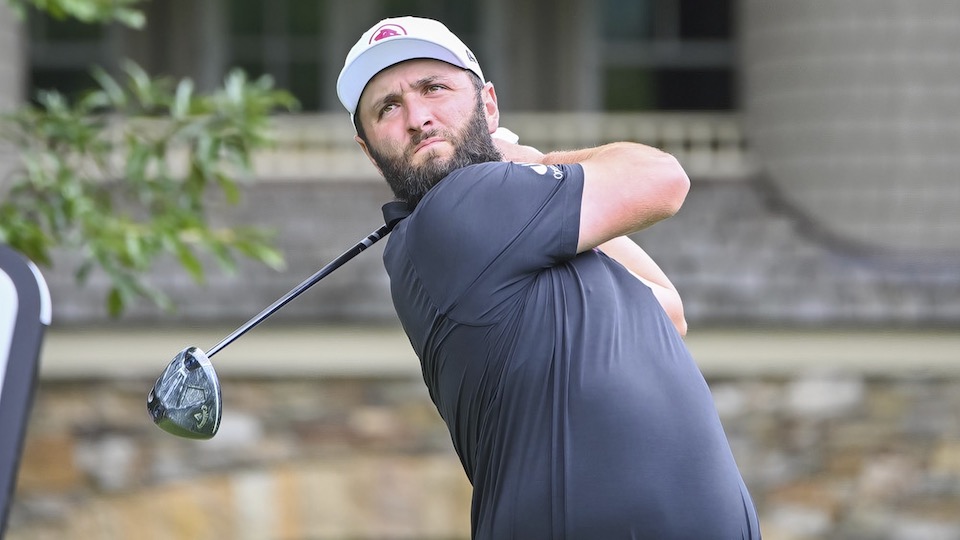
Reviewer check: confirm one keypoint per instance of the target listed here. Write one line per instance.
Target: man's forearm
(512, 151)
(568, 157)
(621, 249)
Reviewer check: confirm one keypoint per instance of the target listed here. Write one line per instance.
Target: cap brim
(354, 79)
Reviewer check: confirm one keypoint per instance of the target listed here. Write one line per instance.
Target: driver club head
(185, 400)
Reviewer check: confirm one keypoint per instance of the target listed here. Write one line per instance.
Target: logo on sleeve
(542, 170)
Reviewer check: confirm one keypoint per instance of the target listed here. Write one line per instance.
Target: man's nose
(419, 114)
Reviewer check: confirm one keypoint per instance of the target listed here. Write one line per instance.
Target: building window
(460, 17)
(287, 39)
(668, 55)
(62, 53)
(282, 38)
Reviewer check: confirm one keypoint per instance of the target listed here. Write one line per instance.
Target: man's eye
(387, 108)
(435, 88)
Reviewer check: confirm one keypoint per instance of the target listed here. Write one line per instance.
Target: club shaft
(371, 239)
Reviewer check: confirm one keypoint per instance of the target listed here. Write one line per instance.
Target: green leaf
(130, 17)
(137, 159)
(230, 188)
(236, 80)
(224, 258)
(83, 273)
(271, 257)
(190, 262)
(141, 85)
(88, 11)
(115, 302)
(118, 98)
(134, 249)
(71, 178)
(52, 100)
(159, 299)
(18, 8)
(181, 104)
(263, 253)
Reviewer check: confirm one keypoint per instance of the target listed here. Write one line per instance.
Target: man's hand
(518, 153)
(506, 141)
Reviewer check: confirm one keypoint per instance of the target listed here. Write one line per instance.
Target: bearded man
(551, 344)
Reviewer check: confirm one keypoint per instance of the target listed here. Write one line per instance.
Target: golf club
(186, 400)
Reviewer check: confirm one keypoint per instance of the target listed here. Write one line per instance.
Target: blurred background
(818, 255)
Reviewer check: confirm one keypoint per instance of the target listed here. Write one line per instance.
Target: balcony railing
(709, 145)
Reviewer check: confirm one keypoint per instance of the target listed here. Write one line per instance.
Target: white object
(392, 41)
(505, 134)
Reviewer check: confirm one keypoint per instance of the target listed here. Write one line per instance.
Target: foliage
(88, 11)
(101, 176)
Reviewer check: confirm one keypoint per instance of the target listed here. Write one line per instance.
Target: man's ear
(490, 108)
(363, 146)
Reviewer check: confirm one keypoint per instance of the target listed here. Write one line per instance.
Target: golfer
(550, 343)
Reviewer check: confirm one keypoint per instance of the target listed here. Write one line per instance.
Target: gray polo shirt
(571, 399)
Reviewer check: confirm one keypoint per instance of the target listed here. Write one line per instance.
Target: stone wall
(294, 458)
(839, 455)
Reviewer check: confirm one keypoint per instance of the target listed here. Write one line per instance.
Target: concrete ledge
(788, 352)
(292, 351)
(262, 352)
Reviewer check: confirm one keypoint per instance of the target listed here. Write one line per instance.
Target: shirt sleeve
(486, 229)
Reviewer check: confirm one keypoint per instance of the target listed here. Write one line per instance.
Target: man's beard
(472, 145)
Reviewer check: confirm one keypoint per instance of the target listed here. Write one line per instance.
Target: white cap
(392, 41)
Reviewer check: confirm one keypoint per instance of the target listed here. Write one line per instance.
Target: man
(550, 343)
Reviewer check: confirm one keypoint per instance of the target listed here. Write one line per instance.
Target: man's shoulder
(480, 169)
(508, 167)
(503, 170)
(466, 179)
(490, 182)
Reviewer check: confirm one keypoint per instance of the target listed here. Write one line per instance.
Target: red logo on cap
(388, 31)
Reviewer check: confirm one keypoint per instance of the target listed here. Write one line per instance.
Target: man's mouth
(427, 143)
